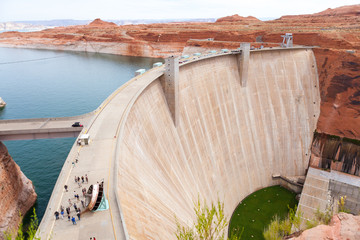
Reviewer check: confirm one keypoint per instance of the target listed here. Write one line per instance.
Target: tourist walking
(56, 215)
(68, 210)
(86, 178)
(70, 202)
(78, 214)
(68, 217)
(66, 188)
(82, 179)
(75, 207)
(62, 214)
(73, 220)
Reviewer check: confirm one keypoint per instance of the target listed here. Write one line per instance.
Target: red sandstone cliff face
(335, 31)
(343, 226)
(17, 193)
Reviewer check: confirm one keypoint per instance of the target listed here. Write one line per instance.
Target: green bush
(278, 229)
(210, 224)
(29, 234)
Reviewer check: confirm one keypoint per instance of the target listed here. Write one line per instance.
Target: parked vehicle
(77, 124)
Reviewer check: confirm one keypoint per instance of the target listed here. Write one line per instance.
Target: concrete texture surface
(323, 189)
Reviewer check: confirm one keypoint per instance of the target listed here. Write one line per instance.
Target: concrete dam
(220, 131)
(228, 141)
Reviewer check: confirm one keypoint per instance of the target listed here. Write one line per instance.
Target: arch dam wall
(228, 142)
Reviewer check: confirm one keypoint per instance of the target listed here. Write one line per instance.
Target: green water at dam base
(256, 211)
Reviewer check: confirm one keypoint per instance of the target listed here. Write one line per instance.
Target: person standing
(66, 188)
(62, 213)
(73, 220)
(86, 178)
(78, 214)
(56, 215)
(68, 210)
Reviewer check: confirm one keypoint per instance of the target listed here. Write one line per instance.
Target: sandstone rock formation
(329, 152)
(238, 19)
(101, 24)
(343, 226)
(17, 192)
(335, 31)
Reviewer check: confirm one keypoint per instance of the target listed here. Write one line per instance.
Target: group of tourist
(60, 214)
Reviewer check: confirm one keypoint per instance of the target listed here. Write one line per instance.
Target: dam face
(228, 142)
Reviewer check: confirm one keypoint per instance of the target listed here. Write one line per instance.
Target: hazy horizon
(44, 10)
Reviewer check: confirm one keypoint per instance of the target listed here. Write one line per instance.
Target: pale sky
(20, 10)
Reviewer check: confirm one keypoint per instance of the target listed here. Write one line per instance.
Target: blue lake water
(41, 83)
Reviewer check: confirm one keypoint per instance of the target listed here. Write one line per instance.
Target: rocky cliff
(335, 31)
(343, 226)
(335, 153)
(17, 193)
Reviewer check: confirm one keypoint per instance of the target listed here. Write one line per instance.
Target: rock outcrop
(238, 19)
(343, 226)
(335, 153)
(335, 31)
(100, 23)
(17, 192)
